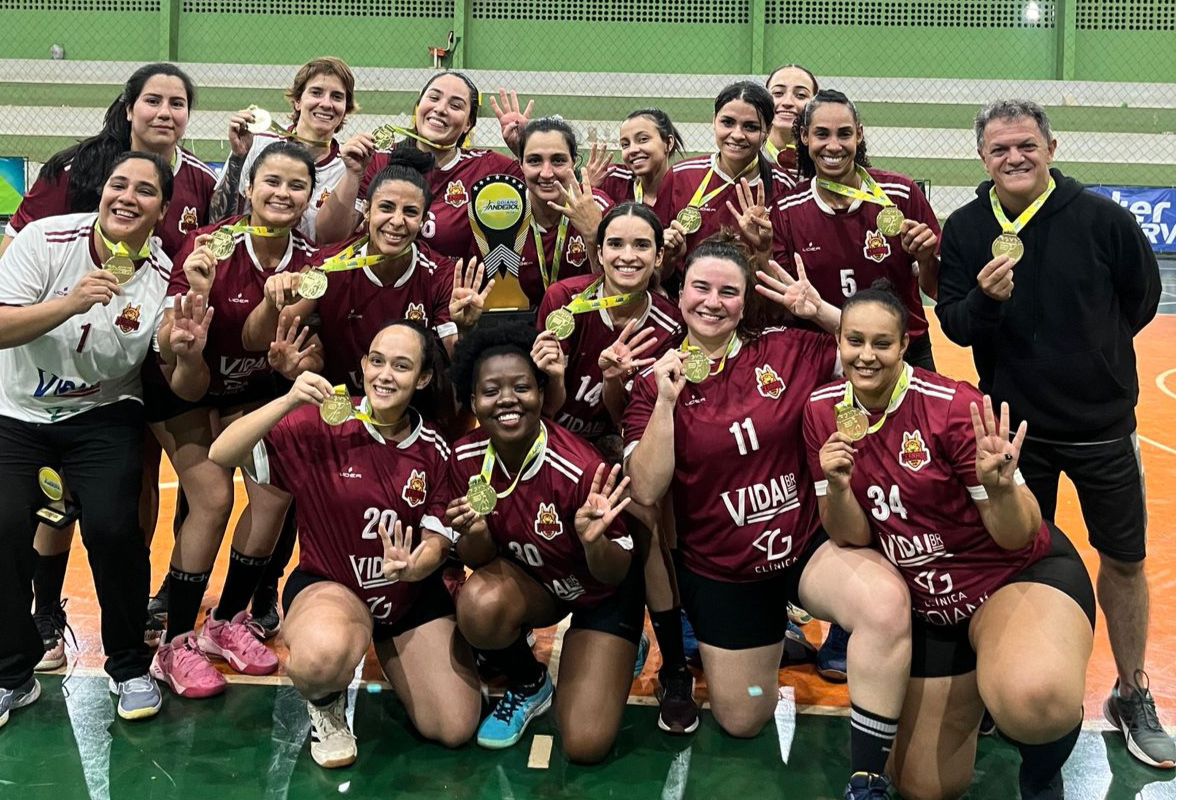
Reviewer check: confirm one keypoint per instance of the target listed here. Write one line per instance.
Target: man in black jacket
(1048, 284)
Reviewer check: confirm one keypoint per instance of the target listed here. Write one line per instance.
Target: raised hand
(240, 137)
(837, 460)
(97, 286)
(578, 204)
(599, 160)
(309, 389)
(357, 152)
(466, 300)
(995, 456)
(752, 217)
(918, 240)
(606, 500)
(668, 375)
(189, 327)
(288, 351)
(548, 355)
(674, 242)
(512, 119)
(796, 294)
(620, 360)
(399, 557)
(200, 267)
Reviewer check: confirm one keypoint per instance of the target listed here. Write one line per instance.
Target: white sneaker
(333, 743)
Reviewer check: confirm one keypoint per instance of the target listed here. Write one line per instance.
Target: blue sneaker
(512, 715)
(867, 786)
(797, 649)
(642, 653)
(831, 658)
(691, 645)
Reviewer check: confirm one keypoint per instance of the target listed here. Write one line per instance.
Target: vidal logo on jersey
(876, 247)
(913, 453)
(414, 490)
(547, 525)
(770, 385)
(759, 502)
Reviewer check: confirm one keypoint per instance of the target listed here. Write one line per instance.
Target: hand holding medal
(837, 460)
(918, 240)
(257, 120)
(120, 261)
(668, 376)
(309, 389)
(548, 355)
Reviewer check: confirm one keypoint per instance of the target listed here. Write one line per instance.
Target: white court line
(1159, 445)
(1161, 383)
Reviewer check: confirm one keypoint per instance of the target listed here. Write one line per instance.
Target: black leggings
(101, 450)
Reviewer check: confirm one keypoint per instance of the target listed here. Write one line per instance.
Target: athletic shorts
(943, 650)
(433, 602)
(621, 613)
(1111, 486)
(163, 404)
(740, 616)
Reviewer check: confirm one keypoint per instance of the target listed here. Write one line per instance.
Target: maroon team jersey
(237, 289)
(584, 412)
(535, 525)
(346, 480)
(188, 210)
(740, 493)
(356, 305)
(685, 177)
(915, 480)
(446, 228)
(844, 251)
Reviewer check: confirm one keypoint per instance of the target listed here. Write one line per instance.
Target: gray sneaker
(1137, 719)
(22, 696)
(137, 698)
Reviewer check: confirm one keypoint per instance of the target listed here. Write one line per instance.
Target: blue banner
(1154, 208)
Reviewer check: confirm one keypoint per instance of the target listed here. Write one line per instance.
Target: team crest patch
(130, 319)
(876, 247)
(576, 252)
(416, 312)
(414, 490)
(456, 194)
(188, 220)
(913, 452)
(769, 383)
(548, 525)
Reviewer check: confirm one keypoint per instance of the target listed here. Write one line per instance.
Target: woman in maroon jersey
(718, 426)
(538, 519)
(446, 112)
(852, 223)
(237, 379)
(648, 141)
(362, 489)
(922, 478)
(791, 87)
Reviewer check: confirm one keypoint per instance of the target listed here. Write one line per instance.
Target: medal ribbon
(363, 412)
(700, 198)
(489, 462)
(411, 133)
(898, 392)
(638, 191)
(119, 249)
(346, 260)
(687, 346)
(244, 226)
(1017, 225)
(560, 239)
(774, 151)
(873, 194)
(582, 303)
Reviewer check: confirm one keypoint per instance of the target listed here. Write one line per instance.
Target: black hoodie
(1060, 350)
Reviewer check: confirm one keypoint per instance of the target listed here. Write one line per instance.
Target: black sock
(1041, 762)
(183, 600)
(327, 700)
(668, 632)
(240, 582)
(283, 549)
(518, 664)
(48, 575)
(871, 737)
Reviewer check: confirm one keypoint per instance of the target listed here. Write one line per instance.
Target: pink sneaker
(236, 642)
(182, 667)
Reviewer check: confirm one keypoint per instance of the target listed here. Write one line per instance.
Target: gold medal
(221, 244)
(696, 366)
(1008, 244)
(890, 221)
(51, 483)
(481, 497)
(853, 423)
(383, 137)
(689, 217)
(121, 268)
(261, 121)
(313, 284)
(561, 323)
(336, 409)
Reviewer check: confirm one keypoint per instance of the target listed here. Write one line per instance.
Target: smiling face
(321, 108)
(131, 202)
(395, 217)
(547, 159)
(832, 138)
(739, 132)
(628, 254)
(871, 345)
(507, 400)
(392, 370)
(280, 192)
(158, 117)
(713, 298)
(643, 148)
(1017, 157)
(791, 88)
(444, 110)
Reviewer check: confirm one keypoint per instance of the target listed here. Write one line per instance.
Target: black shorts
(1111, 486)
(740, 616)
(943, 650)
(621, 613)
(920, 352)
(433, 602)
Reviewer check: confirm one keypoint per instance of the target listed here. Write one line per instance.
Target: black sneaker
(157, 606)
(152, 630)
(677, 709)
(264, 609)
(52, 627)
(987, 725)
(831, 658)
(867, 786)
(1051, 791)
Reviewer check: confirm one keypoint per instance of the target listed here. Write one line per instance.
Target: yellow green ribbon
(898, 392)
(1021, 221)
(119, 249)
(700, 199)
(687, 347)
(489, 462)
(873, 194)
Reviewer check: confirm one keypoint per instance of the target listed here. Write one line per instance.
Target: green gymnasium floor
(251, 743)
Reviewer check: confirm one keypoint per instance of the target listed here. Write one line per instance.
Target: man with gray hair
(1048, 284)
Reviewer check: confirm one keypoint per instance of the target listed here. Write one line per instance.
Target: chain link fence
(919, 69)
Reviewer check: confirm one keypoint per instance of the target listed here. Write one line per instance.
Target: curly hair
(505, 338)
